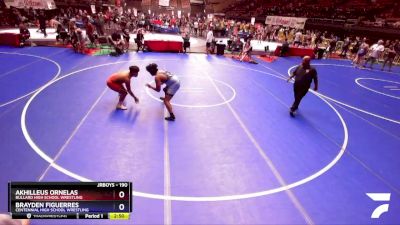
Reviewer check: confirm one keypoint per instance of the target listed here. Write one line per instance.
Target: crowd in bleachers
(114, 27)
(364, 12)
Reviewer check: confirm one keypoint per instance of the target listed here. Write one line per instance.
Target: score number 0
(121, 195)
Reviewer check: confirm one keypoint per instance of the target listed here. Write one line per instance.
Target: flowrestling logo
(379, 197)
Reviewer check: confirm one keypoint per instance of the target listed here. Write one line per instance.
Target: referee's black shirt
(304, 76)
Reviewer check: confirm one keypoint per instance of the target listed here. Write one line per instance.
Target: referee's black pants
(300, 90)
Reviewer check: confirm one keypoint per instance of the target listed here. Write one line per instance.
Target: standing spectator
(362, 52)
(332, 46)
(209, 40)
(126, 36)
(186, 42)
(391, 54)
(91, 33)
(196, 28)
(99, 23)
(375, 52)
(42, 23)
(345, 47)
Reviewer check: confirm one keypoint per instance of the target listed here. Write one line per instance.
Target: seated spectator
(139, 39)
(62, 34)
(24, 34)
(117, 42)
(236, 44)
(91, 33)
(78, 41)
(246, 52)
(126, 36)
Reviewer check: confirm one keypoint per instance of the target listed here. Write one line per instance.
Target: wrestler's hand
(136, 100)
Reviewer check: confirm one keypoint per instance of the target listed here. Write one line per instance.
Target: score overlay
(70, 200)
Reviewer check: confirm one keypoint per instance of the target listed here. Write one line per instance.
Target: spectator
(284, 48)
(297, 38)
(24, 34)
(42, 23)
(362, 52)
(139, 39)
(391, 54)
(209, 41)
(118, 43)
(186, 42)
(345, 47)
(375, 52)
(91, 34)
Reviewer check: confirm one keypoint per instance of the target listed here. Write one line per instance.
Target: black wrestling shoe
(170, 118)
(291, 113)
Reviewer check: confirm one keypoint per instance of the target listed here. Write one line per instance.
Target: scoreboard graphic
(70, 200)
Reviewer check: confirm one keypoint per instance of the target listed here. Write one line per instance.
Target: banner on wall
(35, 4)
(163, 3)
(294, 22)
(253, 20)
(93, 8)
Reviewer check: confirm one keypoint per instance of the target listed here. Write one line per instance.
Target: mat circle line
(199, 106)
(378, 92)
(184, 198)
(40, 57)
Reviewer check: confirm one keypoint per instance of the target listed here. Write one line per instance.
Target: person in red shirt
(116, 83)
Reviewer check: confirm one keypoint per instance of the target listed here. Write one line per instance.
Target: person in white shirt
(297, 38)
(375, 52)
(196, 27)
(209, 40)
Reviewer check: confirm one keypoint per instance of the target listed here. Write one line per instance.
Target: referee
(303, 75)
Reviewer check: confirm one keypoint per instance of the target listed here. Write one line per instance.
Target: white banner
(163, 2)
(93, 8)
(253, 20)
(294, 22)
(35, 4)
